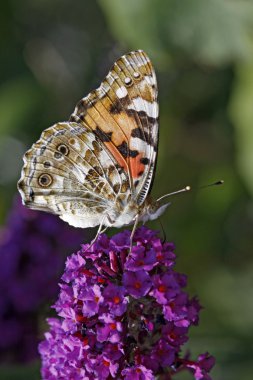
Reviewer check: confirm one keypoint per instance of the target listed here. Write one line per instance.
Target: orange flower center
(86, 272)
(116, 299)
(85, 341)
(113, 326)
(106, 363)
(137, 285)
(162, 288)
(81, 318)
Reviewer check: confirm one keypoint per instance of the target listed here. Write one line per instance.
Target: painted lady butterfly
(97, 168)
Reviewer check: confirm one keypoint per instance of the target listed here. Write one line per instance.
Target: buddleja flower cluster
(122, 316)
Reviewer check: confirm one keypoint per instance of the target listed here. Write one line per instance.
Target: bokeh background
(55, 52)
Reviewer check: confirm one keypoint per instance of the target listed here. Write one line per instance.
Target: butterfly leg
(99, 231)
(106, 228)
(136, 220)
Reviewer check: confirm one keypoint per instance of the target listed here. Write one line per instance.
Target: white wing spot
(136, 74)
(121, 92)
(128, 80)
(138, 104)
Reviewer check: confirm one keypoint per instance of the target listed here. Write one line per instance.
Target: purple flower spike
(122, 315)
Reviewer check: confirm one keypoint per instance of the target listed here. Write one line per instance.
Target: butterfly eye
(45, 180)
(128, 81)
(63, 149)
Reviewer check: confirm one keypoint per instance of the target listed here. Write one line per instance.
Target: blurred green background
(55, 52)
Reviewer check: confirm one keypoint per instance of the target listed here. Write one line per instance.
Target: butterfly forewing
(123, 112)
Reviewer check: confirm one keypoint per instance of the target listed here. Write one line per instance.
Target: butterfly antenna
(217, 183)
(187, 188)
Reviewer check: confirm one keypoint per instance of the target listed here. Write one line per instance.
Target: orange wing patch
(137, 166)
(116, 154)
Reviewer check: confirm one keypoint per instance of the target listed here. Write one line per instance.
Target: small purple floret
(140, 258)
(137, 284)
(137, 372)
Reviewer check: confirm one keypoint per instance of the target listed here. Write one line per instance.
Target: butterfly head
(153, 210)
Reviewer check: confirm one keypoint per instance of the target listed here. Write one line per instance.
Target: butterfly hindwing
(123, 113)
(69, 173)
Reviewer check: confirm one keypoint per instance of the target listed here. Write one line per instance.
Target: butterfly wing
(123, 114)
(68, 172)
(104, 157)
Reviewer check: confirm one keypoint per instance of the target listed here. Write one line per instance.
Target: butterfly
(97, 169)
